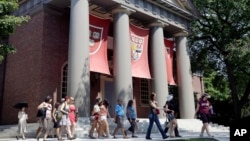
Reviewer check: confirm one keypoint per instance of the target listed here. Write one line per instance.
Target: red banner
(169, 45)
(139, 52)
(98, 35)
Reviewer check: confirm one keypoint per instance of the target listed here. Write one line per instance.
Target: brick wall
(34, 71)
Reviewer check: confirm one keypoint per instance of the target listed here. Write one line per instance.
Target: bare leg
(123, 133)
(202, 129)
(47, 127)
(171, 129)
(38, 131)
(207, 128)
(69, 131)
(72, 128)
(116, 129)
(23, 136)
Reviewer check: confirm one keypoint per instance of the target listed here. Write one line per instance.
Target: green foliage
(217, 86)
(219, 46)
(8, 24)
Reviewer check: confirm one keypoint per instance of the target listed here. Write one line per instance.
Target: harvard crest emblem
(136, 47)
(95, 38)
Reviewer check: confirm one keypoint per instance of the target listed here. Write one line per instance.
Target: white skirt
(65, 121)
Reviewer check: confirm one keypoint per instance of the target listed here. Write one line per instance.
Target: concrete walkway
(187, 128)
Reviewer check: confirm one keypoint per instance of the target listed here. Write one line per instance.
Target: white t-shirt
(96, 108)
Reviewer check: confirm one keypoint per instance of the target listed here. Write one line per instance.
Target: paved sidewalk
(220, 136)
(187, 128)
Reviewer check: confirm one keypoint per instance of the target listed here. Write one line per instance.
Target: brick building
(53, 55)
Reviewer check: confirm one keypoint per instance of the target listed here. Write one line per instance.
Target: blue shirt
(131, 112)
(119, 110)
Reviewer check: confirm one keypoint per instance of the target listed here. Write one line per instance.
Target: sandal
(71, 138)
(125, 132)
(134, 136)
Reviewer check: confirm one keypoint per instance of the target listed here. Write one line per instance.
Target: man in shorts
(119, 118)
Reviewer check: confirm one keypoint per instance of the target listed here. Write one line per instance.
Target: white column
(184, 75)
(122, 56)
(158, 64)
(78, 85)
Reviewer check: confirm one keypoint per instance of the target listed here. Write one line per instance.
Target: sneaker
(91, 137)
(165, 137)
(201, 135)
(148, 138)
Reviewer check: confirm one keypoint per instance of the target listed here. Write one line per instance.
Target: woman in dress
(22, 123)
(72, 115)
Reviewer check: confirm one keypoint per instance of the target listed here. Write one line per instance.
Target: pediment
(186, 5)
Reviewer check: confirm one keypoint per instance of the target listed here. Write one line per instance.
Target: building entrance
(107, 90)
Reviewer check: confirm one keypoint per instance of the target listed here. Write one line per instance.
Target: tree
(8, 23)
(219, 42)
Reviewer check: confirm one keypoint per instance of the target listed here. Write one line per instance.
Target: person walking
(153, 117)
(65, 122)
(202, 110)
(22, 123)
(131, 116)
(170, 110)
(72, 115)
(119, 118)
(57, 120)
(94, 118)
(47, 120)
(103, 129)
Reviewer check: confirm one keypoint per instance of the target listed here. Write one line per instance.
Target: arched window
(64, 80)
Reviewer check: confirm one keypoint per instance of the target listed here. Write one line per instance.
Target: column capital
(183, 33)
(157, 22)
(122, 9)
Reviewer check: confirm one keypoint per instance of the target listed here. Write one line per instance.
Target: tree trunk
(233, 87)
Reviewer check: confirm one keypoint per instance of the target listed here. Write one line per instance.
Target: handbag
(41, 113)
(157, 111)
(59, 115)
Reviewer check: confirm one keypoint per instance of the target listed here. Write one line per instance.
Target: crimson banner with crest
(169, 46)
(98, 37)
(139, 52)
